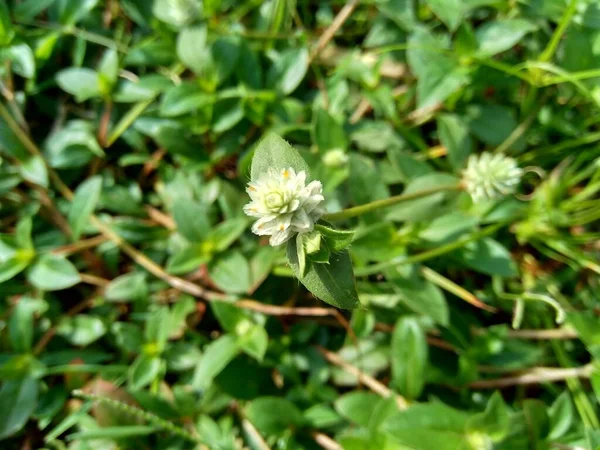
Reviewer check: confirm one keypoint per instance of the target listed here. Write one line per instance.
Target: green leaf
(425, 208)
(82, 329)
(28, 9)
(192, 219)
(81, 82)
(72, 146)
(375, 136)
(183, 99)
(489, 257)
(144, 370)
(449, 11)
(254, 342)
(289, 70)
(499, 36)
(231, 272)
(83, 204)
(226, 233)
(108, 68)
(14, 265)
(52, 273)
(217, 355)
(33, 169)
(126, 288)
(6, 28)
(454, 135)
(365, 181)
(537, 422)
(561, 415)
(272, 152)
(494, 421)
(273, 415)
(21, 323)
(22, 59)
(329, 134)
(336, 240)
(357, 406)
(71, 11)
(402, 12)
(409, 357)
(493, 124)
(439, 75)
(419, 295)
(18, 399)
(178, 13)
(333, 283)
(430, 426)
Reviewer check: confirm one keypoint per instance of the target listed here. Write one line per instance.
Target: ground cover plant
(361, 225)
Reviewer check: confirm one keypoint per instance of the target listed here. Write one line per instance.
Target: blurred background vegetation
(137, 309)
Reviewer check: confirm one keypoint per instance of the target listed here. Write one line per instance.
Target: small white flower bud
(490, 176)
(335, 158)
(284, 205)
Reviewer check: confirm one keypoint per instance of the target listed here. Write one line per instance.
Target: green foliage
(139, 310)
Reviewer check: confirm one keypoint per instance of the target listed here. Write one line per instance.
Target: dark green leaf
(273, 415)
(18, 400)
(333, 283)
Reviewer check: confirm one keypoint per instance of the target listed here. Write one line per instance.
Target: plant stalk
(384, 203)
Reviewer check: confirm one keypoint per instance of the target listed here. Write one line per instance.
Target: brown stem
(535, 376)
(326, 442)
(367, 380)
(337, 23)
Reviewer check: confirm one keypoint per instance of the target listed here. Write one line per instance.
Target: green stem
(384, 203)
(429, 254)
(550, 49)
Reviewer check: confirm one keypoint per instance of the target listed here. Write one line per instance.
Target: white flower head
(490, 176)
(284, 205)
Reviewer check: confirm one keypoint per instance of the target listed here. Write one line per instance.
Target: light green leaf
(409, 357)
(81, 82)
(84, 202)
(144, 370)
(273, 152)
(217, 355)
(254, 342)
(52, 273)
(454, 135)
(449, 11)
(192, 219)
(494, 421)
(82, 329)
(496, 37)
(33, 169)
(128, 287)
(231, 272)
(289, 70)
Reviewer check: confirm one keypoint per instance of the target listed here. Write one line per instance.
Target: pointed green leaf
(83, 204)
(333, 283)
(273, 152)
